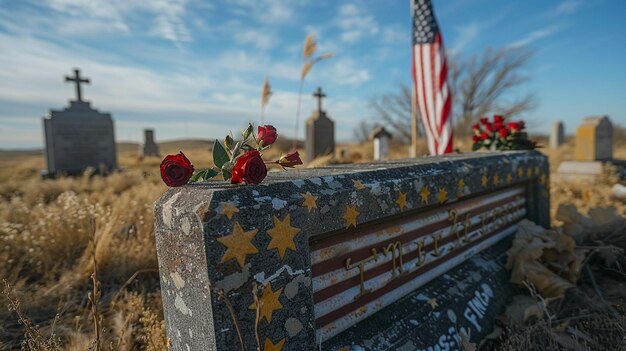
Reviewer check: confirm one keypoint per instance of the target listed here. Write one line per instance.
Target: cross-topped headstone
(319, 95)
(77, 80)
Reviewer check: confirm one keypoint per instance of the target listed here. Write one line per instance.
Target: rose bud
(514, 127)
(489, 127)
(290, 160)
(266, 135)
(498, 125)
(484, 136)
(176, 170)
(484, 120)
(498, 118)
(475, 138)
(503, 133)
(249, 168)
(475, 126)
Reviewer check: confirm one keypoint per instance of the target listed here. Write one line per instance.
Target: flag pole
(413, 150)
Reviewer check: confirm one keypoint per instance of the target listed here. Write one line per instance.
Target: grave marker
(381, 143)
(557, 135)
(381, 256)
(149, 147)
(79, 137)
(320, 131)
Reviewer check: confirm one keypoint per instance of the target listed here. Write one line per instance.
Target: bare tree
(480, 86)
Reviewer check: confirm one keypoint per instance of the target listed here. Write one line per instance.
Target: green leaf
(246, 133)
(220, 156)
(226, 174)
(476, 146)
(204, 175)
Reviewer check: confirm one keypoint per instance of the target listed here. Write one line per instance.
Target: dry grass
(47, 245)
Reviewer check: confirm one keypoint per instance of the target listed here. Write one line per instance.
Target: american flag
(430, 86)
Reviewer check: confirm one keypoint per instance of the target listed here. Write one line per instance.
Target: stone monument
(79, 137)
(594, 150)
(381, 143)
(403, 255)
(557, 135)
(320, 131)
(149, 147)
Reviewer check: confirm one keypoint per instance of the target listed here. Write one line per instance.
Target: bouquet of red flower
(498, 136)
(239, 162)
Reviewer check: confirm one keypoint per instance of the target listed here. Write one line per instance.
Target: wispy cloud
(535, 35)
(568, 7)
(466, 34)
(355, 23)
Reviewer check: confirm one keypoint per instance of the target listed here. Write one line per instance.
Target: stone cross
(319, 95)
(77, 80)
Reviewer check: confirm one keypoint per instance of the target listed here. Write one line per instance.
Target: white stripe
(420, 101)
(429, 97)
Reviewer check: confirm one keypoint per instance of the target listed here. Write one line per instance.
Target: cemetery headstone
(405, 254)
(593, 151)
(381, 143)
(79, 137)
(149, 147)
(557, 135)
(320, 131)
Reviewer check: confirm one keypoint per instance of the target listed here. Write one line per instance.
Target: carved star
(542, 179)
(238, 244)
(433, 303)
(350, 216)
(443, 195)
(484, 180)
(309, 201)
(496, 179)
(461, 186)
(282, 236)
(269, 303)
(401, 200)
(270, 346)
(520, 172)
(357, 184)
(509, 178)
(529, 172)
(228, 209)
(424, 194)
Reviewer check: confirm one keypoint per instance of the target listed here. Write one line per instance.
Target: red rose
(475, 127)
(290, 160)
(498, 125)
(489, 127)
(484, 136)
(266, 135)
(249, 168)
(484, 120)
(498, 118)
(503, 133)
(476, 138)
(514, 127)
(176, 169)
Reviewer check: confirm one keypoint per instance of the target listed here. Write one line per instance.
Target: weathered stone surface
(149, 147)
(557, 135)
(594, 139)
(218, 242)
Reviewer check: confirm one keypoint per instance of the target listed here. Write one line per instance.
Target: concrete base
(588, 170)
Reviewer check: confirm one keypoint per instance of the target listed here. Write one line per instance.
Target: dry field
(58, 237)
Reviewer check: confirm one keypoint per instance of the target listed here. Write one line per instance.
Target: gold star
(282, 236)
(529, 172)
(461, 186)
(520, 172)
(496, 179)
(484, 180)
(309, 201)
(509, 178)
(401, 201)
(537, 170)
(269, 302)
(358, 185)
(350, 216)
(270, 346)
(433, 303)
(424, 194)
(443, 195)
(238, 244)
(228, 209)
(542, 179)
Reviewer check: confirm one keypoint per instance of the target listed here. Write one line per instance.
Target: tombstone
(557, 135)
(593, 151)
(383, 256)
(149, 147)
(79, 137)
(381, 143)
(320, 131)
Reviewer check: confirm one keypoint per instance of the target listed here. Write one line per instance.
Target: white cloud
(355, 23)
(260, 39)
(466, 35)
(568, 7)
(396, 35)
(535, 35)
(345, 71)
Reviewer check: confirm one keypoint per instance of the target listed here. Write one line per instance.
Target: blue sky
(194, 69)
